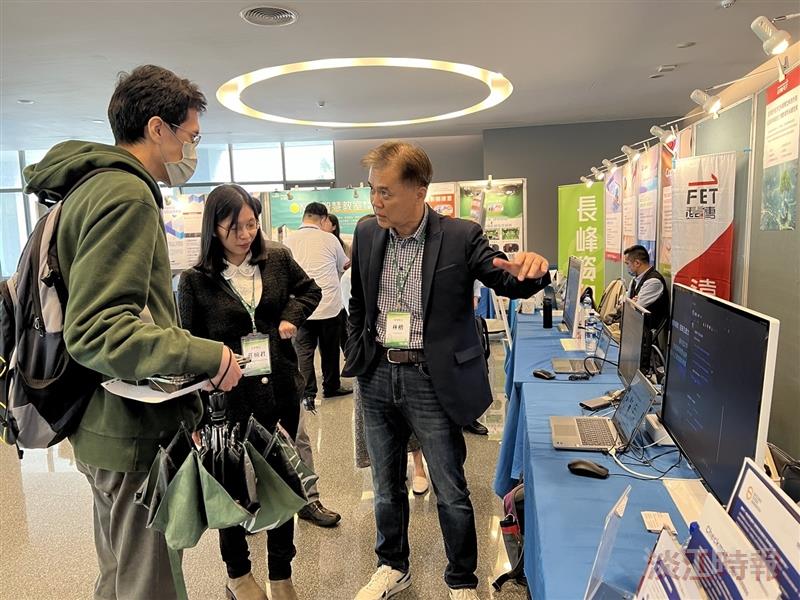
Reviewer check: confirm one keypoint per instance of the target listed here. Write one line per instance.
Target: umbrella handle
(218, 407)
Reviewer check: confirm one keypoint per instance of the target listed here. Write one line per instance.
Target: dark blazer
(210, 309)
(456, 253)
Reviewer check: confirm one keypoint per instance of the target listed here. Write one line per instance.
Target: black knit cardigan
(209, 308)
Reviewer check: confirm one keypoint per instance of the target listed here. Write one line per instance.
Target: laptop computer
(593, 364)
(600, 434)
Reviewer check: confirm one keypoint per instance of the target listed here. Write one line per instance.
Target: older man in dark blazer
(414, 347)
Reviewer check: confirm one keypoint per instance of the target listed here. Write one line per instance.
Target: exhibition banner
(647, 203)
(702, 222)
(499, 208)
(348, 204)
(781, 140)
(613, 208)
(665, 237)
(183, 224)
(581, 232)
(442, 198)
(629, 190)
(684, 147)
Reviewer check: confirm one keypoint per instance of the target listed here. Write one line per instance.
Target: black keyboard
(595, 432)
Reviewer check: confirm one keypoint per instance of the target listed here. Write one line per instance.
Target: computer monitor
(718, 388)
(572, 294)
(630, 341)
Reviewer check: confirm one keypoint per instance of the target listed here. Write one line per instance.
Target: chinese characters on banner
(648, 200)
(665, 240)
(349, 205)
(442, 198)
(613, 201)
(702, 222)
(781, 139)
(581, 231)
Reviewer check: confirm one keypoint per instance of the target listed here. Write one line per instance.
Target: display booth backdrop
(581, 232)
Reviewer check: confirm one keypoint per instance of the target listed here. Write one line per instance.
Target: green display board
(581, 232)
(286, 208)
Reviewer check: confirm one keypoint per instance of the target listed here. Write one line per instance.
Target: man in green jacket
(120, 318)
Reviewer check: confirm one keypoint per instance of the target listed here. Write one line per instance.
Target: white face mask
(181, 171)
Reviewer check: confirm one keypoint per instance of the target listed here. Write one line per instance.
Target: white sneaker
(464, 594)
(419, 485)
(385, 583)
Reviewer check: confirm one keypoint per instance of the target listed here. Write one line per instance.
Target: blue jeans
(399, 399)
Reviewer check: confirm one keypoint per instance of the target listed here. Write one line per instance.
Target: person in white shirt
(321, 256)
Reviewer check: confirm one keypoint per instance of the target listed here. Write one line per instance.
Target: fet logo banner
(702, 222)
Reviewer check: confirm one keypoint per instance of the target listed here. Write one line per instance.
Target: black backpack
(43, 391)
(513, 528)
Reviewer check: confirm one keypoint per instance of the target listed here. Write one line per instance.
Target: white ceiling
(569, 60)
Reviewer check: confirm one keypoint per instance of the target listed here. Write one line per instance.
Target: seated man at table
(649, 290)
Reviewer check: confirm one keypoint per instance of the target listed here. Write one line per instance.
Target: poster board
(183, 222)
(581, 231)
(503, 214)
(647, 208)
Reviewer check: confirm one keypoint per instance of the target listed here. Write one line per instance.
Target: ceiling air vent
(268, 16)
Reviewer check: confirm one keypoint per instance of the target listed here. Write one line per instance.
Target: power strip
(657, 431)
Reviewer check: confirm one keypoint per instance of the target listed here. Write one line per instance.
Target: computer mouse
(543, 374)
(587, 468)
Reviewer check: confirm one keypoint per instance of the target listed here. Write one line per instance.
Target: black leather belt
(398, 356)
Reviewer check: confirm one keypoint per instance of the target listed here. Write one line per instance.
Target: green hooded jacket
(120, 319)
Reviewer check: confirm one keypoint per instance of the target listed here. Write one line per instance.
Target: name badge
(256, 348)
(398, 330)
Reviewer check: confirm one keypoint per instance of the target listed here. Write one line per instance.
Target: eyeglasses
(249, 227)
(195, 137)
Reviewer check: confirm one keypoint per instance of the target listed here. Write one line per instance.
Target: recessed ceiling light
(99, 121)
(229, 94)
(686, 44)
(667, 68)
(25, 101)
(656, 76)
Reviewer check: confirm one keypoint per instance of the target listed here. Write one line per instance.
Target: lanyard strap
(250, 308)
(400, 278)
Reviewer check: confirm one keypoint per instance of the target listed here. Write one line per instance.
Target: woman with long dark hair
(250, 294)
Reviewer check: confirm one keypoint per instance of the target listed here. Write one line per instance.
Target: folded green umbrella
(212, 489)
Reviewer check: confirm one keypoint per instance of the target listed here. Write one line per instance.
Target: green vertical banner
(581, 232)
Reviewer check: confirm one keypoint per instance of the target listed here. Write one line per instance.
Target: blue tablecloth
(565, 513)
(533, 348)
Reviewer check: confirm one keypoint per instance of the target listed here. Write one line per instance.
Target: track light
(710, 104)
(633, 155)
(774, 41)
(587, 181)
(598, 174)
(665, 137)
(610, 167)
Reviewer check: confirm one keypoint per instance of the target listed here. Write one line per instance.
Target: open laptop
(593, 364)
(600, 434)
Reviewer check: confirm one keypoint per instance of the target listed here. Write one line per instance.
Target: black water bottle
(547, 313)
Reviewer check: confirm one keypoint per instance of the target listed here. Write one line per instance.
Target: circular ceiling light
(230, 93)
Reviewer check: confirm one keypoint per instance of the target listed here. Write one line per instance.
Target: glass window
(12, 231)
(34, 156)
(257, 188)
(10, 176)
(213, 164)
(309, 161)
(257, 162)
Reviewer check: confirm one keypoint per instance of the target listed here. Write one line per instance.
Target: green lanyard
(250, 308)
(402, 278)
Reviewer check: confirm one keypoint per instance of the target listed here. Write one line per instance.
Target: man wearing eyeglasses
(323, 259)
(120, 316)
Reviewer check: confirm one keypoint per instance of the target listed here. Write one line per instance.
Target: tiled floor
(46, 548)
